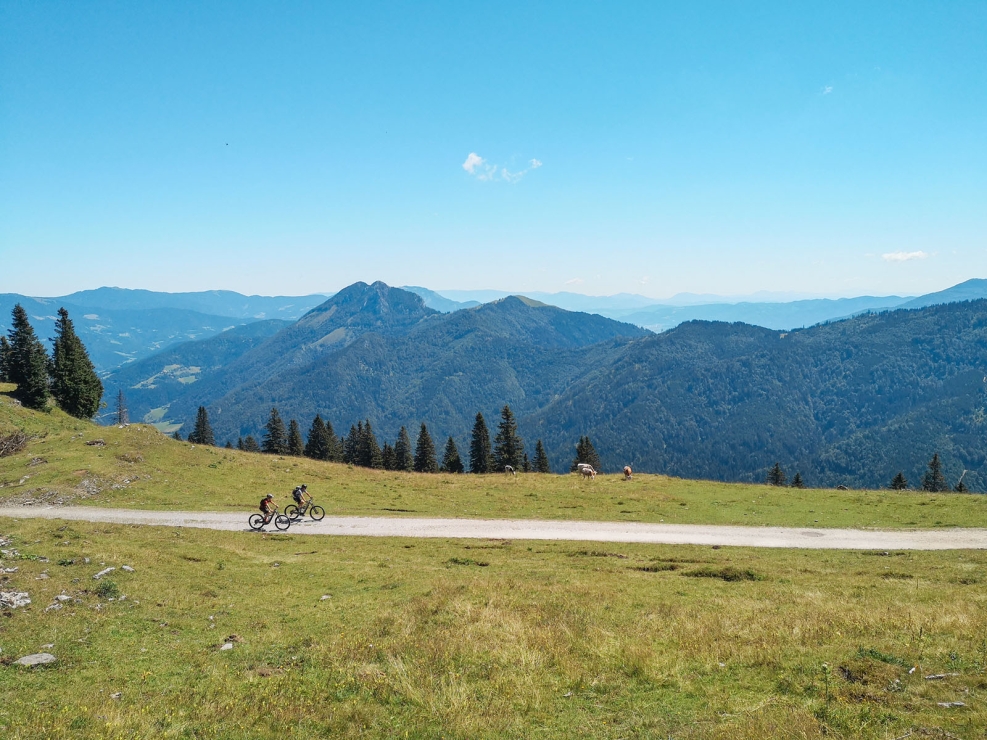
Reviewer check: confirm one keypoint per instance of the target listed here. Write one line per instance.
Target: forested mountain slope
(850, 402)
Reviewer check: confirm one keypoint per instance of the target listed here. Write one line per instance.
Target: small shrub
(466, 561)
(107, 589)
(729, 573)
(656, 568)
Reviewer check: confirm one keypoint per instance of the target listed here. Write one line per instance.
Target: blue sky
(654, 148)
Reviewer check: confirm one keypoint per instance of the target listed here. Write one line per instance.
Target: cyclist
(302, 497)
(268, 508)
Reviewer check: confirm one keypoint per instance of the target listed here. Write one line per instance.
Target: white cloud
(827, 90)
(574, 281)
(473, 161)
(904, 256)
(481, 169)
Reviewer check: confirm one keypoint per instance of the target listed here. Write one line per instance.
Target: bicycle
(295, 513)
(259, 521)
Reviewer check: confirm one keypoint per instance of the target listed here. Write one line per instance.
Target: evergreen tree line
(933, 481)
(67, 376)
(361, 446)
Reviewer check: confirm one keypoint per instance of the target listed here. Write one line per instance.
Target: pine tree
(797, 481)
(74, 383)
(508, 447)
(451, 462)
(425, 453)
(898, 483)
(4, 354)
(27, 363)
(526, 464)
(541, 459)
(177, 435)
(229, 445)
(585, 453)
(776, 476)
(275, 437)
(387, 456)
(351, 444)
(250, 444)
(481, 459)
(334, 443)
(960, 487)
(934, 480)
(403, 458)
(317, 447)
(202, 431)
(370, 454)
(239, 444)
(296, 447)
(122, 415)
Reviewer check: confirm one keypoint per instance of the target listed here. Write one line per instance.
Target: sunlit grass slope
(483, 639)
(140, 468)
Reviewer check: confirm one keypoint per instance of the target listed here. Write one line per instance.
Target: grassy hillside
(138, 467)
(481, 639)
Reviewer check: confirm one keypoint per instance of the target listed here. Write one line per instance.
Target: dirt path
(672, 534)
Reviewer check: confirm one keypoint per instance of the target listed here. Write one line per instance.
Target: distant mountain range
(849, 402)
(120, 326)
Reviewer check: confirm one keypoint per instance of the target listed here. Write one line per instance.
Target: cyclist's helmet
(270, 495)
(304, 487)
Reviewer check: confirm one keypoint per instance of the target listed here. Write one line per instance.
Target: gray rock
(36, 659)
(13, 599)
(63, 597)
(127, 568)
(54, 607)
(227, 646)
(104, 572)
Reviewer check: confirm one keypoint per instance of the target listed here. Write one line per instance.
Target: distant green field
(141, 468)
(483, 639)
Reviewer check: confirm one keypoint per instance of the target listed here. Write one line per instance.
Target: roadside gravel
(672, 534)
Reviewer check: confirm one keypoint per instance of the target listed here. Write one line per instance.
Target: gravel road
(671, 534)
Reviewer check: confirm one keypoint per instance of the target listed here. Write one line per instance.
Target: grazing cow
(586, 470)
(627, 472)
(509, 469)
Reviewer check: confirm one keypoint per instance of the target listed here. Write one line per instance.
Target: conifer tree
(898, 483)
(425, 453)
(526, 464)
(317, 447)
(351, 444)
(370, 454)
(797, 481)
(776, 476)
(960, 487)
(508, 447)
(335, 444)
(934, 480)
(387, 456)
(229, 445)
(541, 464)
(202, 431)
(177, 435)
(239, 444)
(74, 383)
(585, 453)
(403, 458)
(250, 444)
(27, 363)
(121, 414)
(451, 462)
(296, 446)
(275, 436)
(481, 458)
(4, 350)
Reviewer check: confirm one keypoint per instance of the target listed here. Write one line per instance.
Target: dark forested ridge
(851, 402)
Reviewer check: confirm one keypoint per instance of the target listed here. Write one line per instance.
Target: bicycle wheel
(282, 522)
(317, 512)
(291, 511)
(256, 521)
